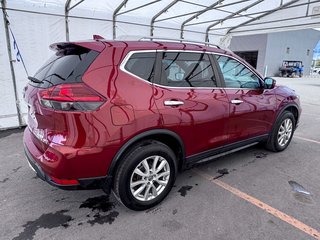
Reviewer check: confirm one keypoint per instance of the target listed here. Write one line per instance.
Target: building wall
(291, 45)
(251, 43)
(272, 48)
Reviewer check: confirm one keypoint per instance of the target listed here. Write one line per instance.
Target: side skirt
(222, 151)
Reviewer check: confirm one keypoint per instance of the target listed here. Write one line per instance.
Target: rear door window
(65, 66)
(185, 69)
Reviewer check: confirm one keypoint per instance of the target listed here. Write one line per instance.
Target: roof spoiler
(93, 45)
(61, 45)
(98, 37)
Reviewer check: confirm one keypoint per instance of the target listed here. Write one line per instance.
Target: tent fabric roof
(206, 17)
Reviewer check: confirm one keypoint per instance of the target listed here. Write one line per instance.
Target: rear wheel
(146, 175)
(282, 132)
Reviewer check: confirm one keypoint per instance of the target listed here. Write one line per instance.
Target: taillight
(71, 97)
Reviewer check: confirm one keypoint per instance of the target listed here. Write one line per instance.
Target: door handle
(173, 103)
(236, 101)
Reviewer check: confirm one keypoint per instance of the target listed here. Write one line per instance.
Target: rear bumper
(83, 183)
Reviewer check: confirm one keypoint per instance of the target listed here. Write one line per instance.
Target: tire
(282, 132)
(133, 176)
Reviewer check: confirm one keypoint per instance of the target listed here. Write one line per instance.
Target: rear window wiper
(35, 80)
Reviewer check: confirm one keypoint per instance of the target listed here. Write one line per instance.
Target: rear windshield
(65, 66)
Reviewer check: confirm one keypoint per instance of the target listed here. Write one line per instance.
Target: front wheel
(146, 175)
(282, 132)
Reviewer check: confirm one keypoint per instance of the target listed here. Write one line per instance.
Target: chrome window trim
(127, 57)
(243, 63)
(130, 53)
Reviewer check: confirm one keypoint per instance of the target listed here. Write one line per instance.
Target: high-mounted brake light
(71, 97)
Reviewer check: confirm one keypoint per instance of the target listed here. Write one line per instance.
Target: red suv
(128, 115)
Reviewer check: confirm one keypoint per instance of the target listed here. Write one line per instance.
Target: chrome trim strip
(243, 63)
(31, 167)
(129, 54)
(126, 58)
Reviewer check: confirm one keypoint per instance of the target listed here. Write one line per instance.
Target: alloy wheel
(285, 132)
(150, 178)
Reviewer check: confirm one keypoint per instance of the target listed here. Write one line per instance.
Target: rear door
(190, 99)
(67, 65)
(252, 107)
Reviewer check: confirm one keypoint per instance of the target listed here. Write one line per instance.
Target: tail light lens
(71, 97)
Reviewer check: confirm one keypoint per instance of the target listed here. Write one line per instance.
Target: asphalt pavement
(251, 194)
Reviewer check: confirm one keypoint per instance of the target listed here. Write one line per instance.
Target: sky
(316, 51)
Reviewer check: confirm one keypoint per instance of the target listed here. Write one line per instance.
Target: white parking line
(307, 139)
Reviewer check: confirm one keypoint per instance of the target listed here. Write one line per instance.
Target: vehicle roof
(166, 45)
(146, 45)
(97, 45)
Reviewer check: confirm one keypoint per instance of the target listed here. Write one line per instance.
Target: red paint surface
(84, 143)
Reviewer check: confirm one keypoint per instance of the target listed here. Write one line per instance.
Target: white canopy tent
(29, 26)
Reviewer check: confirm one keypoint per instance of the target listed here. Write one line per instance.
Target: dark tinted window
(237, 75)
(65, 66)
(142, 65)
(180, 69)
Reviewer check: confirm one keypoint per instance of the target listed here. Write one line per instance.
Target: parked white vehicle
(315, 70)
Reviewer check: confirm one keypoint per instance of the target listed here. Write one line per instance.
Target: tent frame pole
(195, 12)
(114, 18)
(230, 16)
(13, 75)
(67, 10)
(263, 15)
(154, 18)
(66, 18)
(212, 6)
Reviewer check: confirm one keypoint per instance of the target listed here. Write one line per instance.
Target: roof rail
(179, 40)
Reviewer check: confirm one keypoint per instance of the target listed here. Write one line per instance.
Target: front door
(252, 107)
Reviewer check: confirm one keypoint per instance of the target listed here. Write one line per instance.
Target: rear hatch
(57, 88)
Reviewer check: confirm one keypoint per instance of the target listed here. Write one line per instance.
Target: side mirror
(269, 83)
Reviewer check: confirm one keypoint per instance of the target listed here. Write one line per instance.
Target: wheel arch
(167, 137)
(293, 108)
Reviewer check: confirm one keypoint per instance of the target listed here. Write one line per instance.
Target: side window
(237, 75)
(180, 69)
(142, 65)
